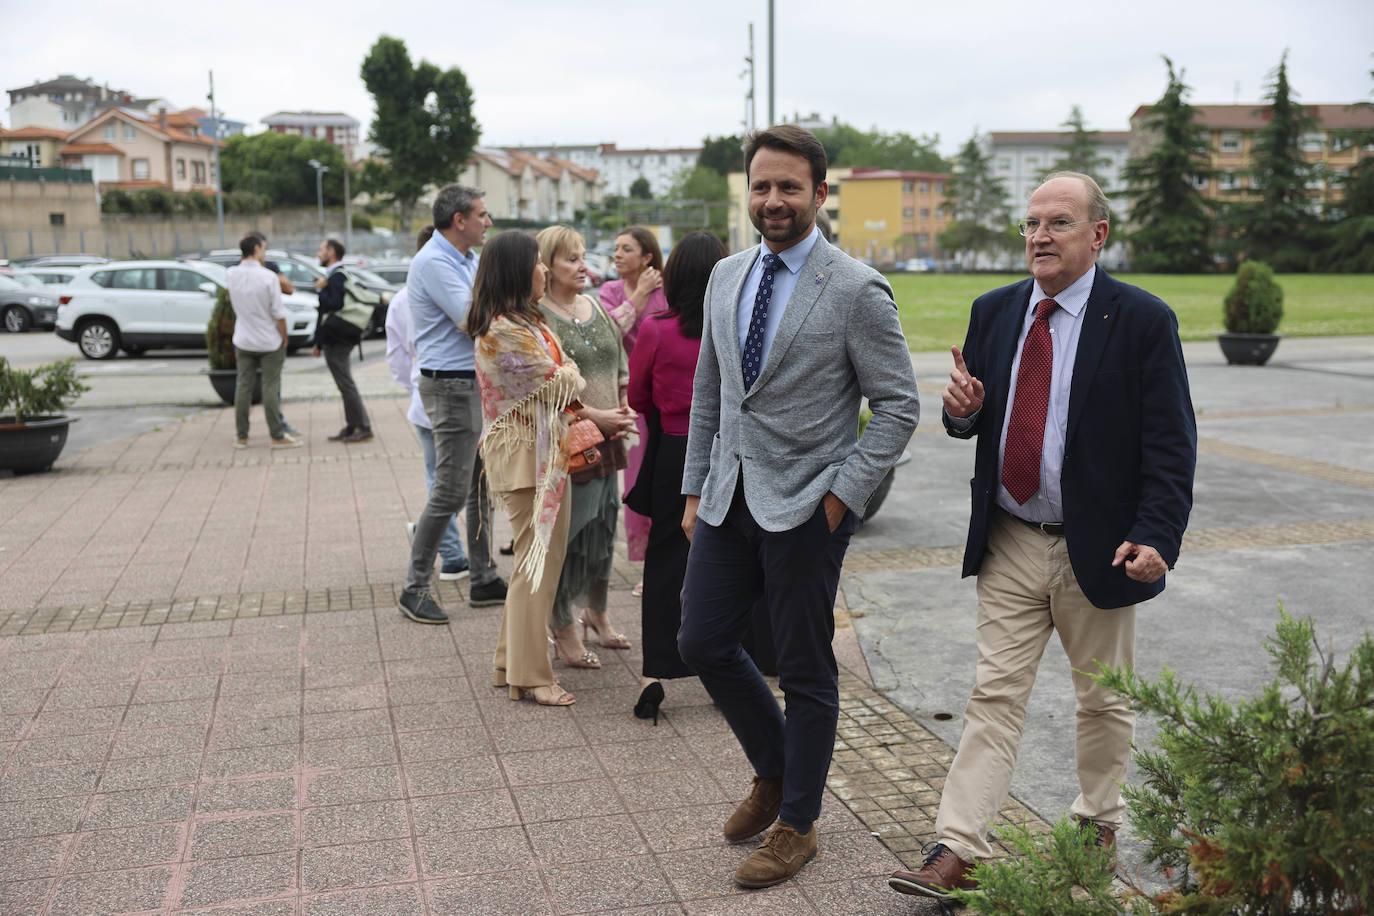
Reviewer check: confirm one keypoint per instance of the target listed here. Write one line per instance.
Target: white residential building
(334, 126)
(620, 168)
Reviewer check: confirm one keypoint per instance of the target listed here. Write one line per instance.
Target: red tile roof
(1253, 117)
(34, 133)
(77, 149)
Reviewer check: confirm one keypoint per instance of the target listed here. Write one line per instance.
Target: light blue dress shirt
(440, 284)
(784, 281)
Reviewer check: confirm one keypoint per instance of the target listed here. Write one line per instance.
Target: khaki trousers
(522, 649)
(1026, 589)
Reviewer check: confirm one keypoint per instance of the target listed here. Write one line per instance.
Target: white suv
(139, 305)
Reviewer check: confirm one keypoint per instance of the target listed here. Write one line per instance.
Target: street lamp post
(320, 169)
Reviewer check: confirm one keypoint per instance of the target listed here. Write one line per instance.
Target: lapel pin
(820, 278)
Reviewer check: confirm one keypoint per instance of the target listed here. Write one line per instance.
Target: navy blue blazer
(1131, 443)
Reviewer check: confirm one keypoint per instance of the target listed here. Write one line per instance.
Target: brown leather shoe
(1102, 836)
(778, 857)
(756, 812)
(942, 872)
(342, 434)
(358, 435)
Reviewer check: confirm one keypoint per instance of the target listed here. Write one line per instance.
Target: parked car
(140, 305)
(915, 266)
(302, 273)
(59, 260)
(391, 271)
(24, 303)
(49, 276)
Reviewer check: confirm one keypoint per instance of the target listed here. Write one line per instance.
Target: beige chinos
(1026, 589)
(523, 646)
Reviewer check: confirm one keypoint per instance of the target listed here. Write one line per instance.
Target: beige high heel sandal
(605, 641)
(547, 698)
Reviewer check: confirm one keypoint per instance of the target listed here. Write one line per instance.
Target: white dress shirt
(255, 294)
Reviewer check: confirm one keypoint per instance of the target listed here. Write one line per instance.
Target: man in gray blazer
(796, 333)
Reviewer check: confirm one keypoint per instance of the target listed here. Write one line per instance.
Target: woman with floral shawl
(529, 397)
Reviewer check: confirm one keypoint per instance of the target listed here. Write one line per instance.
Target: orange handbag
(583, 438)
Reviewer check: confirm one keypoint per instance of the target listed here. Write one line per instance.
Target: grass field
(934, 307)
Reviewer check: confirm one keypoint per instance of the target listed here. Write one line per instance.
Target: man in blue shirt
(440, 284)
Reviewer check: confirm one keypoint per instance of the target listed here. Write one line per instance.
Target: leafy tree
(701, 185)
(640, 189)
(977, 200)
(277, 166)
(1171, 222)
(846, 145)
(722, 155)
(1277, 227)
(424, 128)
(1080, 154)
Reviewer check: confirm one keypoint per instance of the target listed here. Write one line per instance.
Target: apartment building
(332, 126)
(522, 186)
(885, 216)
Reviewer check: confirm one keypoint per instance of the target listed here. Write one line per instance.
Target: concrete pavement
(209, 704)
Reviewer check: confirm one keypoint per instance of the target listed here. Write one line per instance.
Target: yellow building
(39, 145)
(886, 216)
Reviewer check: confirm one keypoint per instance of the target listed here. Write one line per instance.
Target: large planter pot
(32, 445)
(1248, 349)
(225, 381)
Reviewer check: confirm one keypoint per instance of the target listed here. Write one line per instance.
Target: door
(188, 306)
(136, 303)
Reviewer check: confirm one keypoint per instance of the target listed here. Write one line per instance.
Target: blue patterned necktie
(752, 357)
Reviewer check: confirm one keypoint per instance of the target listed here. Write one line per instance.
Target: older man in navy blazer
(1074, 385)
(796, 332)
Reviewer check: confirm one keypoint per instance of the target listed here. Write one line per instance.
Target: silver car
(25, 303)
(139, 305)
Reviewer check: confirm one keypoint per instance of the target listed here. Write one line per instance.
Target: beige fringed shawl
(525, 388)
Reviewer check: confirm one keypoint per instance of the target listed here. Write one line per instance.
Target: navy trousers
(796, 573)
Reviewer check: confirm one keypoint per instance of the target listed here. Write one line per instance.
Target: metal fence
(169, 239)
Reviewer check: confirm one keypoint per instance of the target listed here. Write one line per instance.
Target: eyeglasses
(1056, 227)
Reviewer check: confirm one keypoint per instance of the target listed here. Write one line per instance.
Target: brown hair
(505, 275)
(789, 138)
(684, 279)
(647, 242)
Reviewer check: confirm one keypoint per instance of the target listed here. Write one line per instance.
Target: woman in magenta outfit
(635, 296)
(661, 371)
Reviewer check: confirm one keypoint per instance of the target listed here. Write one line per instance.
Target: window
(1032, 160)
(57, 219)
(130, 134)
(939, 187)
(925, 213)
(140, 167)
(1340, 141)
(198, 172)
(182, 281)
(35, 153)
(1313, 142)
(181, 168)
(1230, 141)
(906, 187)
(1200, 182)
(133, 278)
(1227, 181)
(108, 131)
(103, 278)
(922, 238)
(925, 187)
(906, 213)
(1004, 164)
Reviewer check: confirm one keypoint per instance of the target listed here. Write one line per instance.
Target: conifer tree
(1277, 227)
(1170, 220)
(1080, 153)
(977, 200)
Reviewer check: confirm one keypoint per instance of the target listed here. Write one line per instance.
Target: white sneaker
(410, 532)
(287, 441)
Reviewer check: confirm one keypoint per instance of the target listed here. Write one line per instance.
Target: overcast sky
(651, 74)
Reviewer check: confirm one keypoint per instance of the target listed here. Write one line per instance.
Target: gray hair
(1098, 208)
(452, 200)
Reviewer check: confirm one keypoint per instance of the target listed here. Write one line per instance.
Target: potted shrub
(1254, 307)
(33, 425)
(219, 341)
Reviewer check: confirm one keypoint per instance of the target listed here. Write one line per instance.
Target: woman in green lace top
(592, 340)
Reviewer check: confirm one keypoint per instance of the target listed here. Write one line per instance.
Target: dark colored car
(26, 303)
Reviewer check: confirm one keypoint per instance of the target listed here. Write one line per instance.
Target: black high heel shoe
(649, 700)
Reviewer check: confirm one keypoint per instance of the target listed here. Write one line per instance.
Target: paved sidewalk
(208, 703)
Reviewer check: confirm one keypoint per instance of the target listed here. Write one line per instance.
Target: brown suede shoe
(1101, 836)
(778, 857)
(756, 812)
(942, 872)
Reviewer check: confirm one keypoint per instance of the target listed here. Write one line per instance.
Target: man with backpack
(336, 334)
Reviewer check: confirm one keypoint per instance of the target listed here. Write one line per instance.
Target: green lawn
(934, 307)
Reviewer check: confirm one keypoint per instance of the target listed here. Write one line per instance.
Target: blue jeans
(450, 547)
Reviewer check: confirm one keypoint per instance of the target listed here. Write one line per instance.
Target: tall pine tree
(1080, 153)
(1170, 221)
(1277, 228)
(977, 200)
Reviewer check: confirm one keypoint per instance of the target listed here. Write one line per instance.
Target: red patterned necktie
(1026, 431)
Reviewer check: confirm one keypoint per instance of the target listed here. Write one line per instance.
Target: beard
(797, 224)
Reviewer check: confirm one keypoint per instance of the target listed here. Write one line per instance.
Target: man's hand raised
(963, 396)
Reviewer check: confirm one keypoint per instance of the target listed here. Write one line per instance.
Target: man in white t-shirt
(259, 341)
